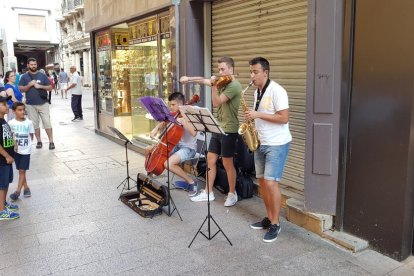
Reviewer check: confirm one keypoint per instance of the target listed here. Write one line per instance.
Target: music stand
(202, 120)
(160, 112)
(125, 182)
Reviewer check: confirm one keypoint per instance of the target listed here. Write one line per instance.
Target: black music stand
(125, 182)
(202, 120)
(160, 112)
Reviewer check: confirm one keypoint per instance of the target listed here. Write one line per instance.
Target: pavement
(74, 223)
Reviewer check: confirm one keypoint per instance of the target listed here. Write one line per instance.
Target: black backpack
(244, 185)
(243, 158)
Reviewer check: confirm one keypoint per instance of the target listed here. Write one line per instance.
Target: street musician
(226, 93)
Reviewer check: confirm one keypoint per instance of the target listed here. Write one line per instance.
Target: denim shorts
(184, 153)
(22, 161)
(270, 161)
(6, 176)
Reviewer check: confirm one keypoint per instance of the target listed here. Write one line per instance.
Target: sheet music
(201, 118)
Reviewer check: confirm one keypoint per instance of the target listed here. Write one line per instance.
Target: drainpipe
(177, 43)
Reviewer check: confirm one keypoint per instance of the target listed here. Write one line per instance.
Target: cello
(154, 162)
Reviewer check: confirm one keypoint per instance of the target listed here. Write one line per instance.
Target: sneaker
(8, 215)
(14, 196)
(192, 190)
(202, 196)
(75, 119)
(11, 207)
(39, 145)
(231, 199)
(51, 146)
(181, 185)
(264, 224)
(80, 118)
(272, 233)
(27, 193)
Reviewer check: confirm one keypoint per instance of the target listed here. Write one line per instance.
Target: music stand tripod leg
(209, 216)
(170, 199)
(125, 182)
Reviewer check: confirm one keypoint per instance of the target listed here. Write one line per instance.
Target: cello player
(227, 99)
(184, 150)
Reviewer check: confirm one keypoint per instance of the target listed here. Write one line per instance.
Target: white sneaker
(231, 199)
(202, 196)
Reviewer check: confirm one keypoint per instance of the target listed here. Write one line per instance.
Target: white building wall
(10, 28)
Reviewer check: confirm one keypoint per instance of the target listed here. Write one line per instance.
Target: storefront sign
(121, 40)
(165, 27)
(148, 30)
(103, 41)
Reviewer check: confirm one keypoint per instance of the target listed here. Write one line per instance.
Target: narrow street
(74, 223)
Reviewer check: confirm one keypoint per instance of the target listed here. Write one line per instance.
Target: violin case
(148, 199)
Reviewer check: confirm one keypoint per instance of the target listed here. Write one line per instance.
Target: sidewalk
(74, 224)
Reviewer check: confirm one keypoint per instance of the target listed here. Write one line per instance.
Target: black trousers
(77, 106)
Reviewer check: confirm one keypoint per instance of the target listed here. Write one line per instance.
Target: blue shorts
(184, 153)
(269, 161)
(22, 161)
(6, 176)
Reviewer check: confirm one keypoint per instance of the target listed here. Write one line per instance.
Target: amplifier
(149, 198)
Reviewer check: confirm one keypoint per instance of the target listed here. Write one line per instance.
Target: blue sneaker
(10, 206)
(8, 215)
(192, 190)
(181, 185)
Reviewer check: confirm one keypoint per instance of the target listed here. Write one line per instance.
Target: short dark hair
(228, 60)
(31, 59)
(262, 61)
(177, 96)
(15, 105)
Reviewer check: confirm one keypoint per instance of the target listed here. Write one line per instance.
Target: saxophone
(247, 130)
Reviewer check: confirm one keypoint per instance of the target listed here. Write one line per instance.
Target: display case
(104, 74)
(120, 64)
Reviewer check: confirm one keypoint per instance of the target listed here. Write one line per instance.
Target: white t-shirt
(274, 99)
(77, 90)
(21, 132)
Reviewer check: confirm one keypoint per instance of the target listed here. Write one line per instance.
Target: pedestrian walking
(63, 82)
(12, 91)
(75, 87)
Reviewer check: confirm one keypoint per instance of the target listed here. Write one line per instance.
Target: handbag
(42, 93)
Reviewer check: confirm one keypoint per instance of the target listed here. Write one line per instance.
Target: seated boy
(184, 150)
(6, 160)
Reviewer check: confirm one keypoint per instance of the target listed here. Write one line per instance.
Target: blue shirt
(17, 94)
(33, 95)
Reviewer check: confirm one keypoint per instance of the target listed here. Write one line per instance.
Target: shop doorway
(378, 204)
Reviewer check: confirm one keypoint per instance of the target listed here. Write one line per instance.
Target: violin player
(184, 150)
(226, 94)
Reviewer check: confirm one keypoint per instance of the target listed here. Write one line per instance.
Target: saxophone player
(271, 116)
(227, 99)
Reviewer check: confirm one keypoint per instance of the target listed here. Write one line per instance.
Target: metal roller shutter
(276, 30)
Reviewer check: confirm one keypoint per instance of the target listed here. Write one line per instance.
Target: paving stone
(74, 223)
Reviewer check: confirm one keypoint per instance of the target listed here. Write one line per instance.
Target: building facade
(75, 46)
(28, 28)
(330, 67)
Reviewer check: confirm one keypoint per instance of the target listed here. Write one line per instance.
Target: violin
(222, 81)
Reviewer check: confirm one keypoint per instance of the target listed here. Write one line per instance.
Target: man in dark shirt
(35, 84)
